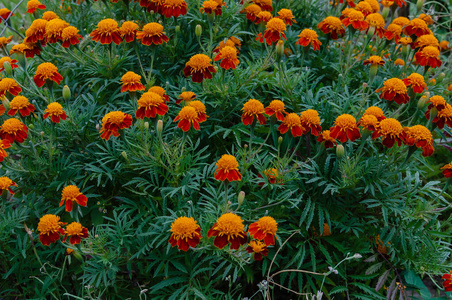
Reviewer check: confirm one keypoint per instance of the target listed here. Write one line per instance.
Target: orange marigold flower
(428, 56)
(368, 122)
(374, 60)
(427, 19)
(159, 91)
(150, 105)
(211, 7)
(131, 82)
(405, 41)
(345, 128)
(228, 56)
(376, 21)
(325, 138)
(186, 233)
(13, 130)
(174, 8)
(375, 111)
(4, 144)
(258, 249)
(49, 15)
(5, 41)
(263, 17)
(28, 49)
(114, 121)
(401, 21)
(70, 36)
(227, 229)
(6, 184)
(76, 232)
(276, 108)
(128, 31)
(447, 173)
(444, 116)
(394, 89)
(186, 96)
(416, 82)
(55, 111)
(426, 40)
(287, 16)
(393, 32)
(309, 36)
(199, 68)
(421, 137)
(71, 194)
(416, 27)
(356, 19)
(399, 62)
(33, 5)
(54, 30)
(152, 5)
(21, 104)
(18, 49)
(387, 3)
(229, 42)
(264, 229)
(36, 31)
(186, 117)
(310, 120)
(293, 122)
(443, 45)
(200, 110)
(271, 174)
(252, 11)
(447, 284)
(374, 4)
(437, 102)
(45, 72)
(253, 108)
(333, 26)
(274, 31)
(152, 33)
(9, 85)
(391, 131)
(227, 169)
(264, 4)
(107, 31)
(364, 7)
(50, 229)
(5, 14)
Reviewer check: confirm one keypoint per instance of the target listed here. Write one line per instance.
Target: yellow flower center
(49, 224)
(158, 90)
(276, 24)
(228, 53)
(70, 192)
(210, 4)
(55, 26)
(310, 117)
(107, 26)
(128, 27)
(418, 23)
(405, 41)
(345, 121)
(115, 117)
(401, 21)
(227, 162)
(229, 224)
(253, 9)
(174, 3)
(263, 2)
(285, 13)
(364, 7)
(446, 112)
(435, 100)
(427, 40)
(257, 246)
(292, 120)
(374, 4)
(326, 136)
(49, 15)
(390, 126)
(368, 120)
(75, 228)
(416, 79)
(4, 41)
(447, 167)
(69, 32)
(399, 62)
(184, 228)
(395, 29)
(271, 173)
(54, 108)
(355, 15)
(38, 24)
(4, 11)
(19, 49)
(308, 34)
(374, 60)
(199, 62)
(153, 29)
(396, 85)
(7, 83)
(5, 183)
(268, 225)
(12, 125)
(198, 106)
(346, 11)
(430, 51)
(19, 102)
(150, 99)
(427, 18)
(387, 3)
(375, 20)
(188, 113)
(46, 70)
(130, 77)
(333, 23)
(253, 107)
(420, 132)
(33, 4)
(277, 105)
(187, 96)
(264, 16)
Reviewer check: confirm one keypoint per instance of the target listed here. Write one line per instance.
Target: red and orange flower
(258, 249)
(333, 26)
(55, 111)
(4, 144)
(6, 184)
(128, 31)
(252, 11)
(76, 232)
(264, 229)
(112, 122)
(274, 31)
(292, 122)
(310, 121)
(228, 56)
(287, 16)
(186, 233)
(150, 105)
(186, 97)
(211, 7)
(54, 30)
(227, 229)
(200, 110)
(152, 33)
(5, 14)
(36, 31)
(416, 27)
(174, 8)
(437, 102)
(107, 31)
(391, 132)
(227, 169)
(276, 108)
(33, 5)
(416, 82)
(199, 68)
(325, 138)
(443, 117)
(10, 86)
(131, 82)
(70, 36)
(47, 72)
(393, 31)
(309, 37)
(253, 108)
(71, 194)
(13, 130)
(447, 172)
(159, 91)
(22, 105)
(394, 89)
(186, 117)
(356, 19)
(368, 122)
(421, 137)
(428, 56)
(345, 128)
(50, 229)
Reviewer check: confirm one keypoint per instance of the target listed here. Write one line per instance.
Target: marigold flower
(4, 41)
(375, 111)
(427, 19)
(356, 19)
(128, 31)
(405, 41)
(6, 184)
(49, 15)
(211, 7)
(416, 27)
(443, 117)
(287, 16)
(374, 60)
(131, 82)
(186, 96)
(186, 233)
(426, 40)
(326, 230)
(253, 108)
(152, 5)
(443, 45)
(231, 42)
(5, 14)
(276, 108)
(264, 4)
(292, 122)
(76, 232)
(387, 3)
(186, 117)
(263, 17)
(174, 8)
(447, 173)
(368, 122)
(29, 50)
(421, 137)
(271, 174)
(264, 229)
(374, 4)
(416, 82)
(309, 36)
(227, 229)
(391, 131)
(55, 111)
(350, 3)
(345, 128)
(437, 102)
(364, 7)
(325, 138)
(252, 11)
(4, 144)
(36, 31)
(333, 26)
(13, 130)
(227, 169)
(393, 31)
(152, 33)
(21, 104)
(258, 249)
(401, 21)
(274, 31)
(107, 31)
(310, 120)
(150, 105)
(199, 68)
(228, 56)
(33, 5)
(54, 30)
(114, 121)
(200, 110)
(45, 72)
(159, 91)
(71, 194)
(394, 89)
(399, 62)
(428, 56)
(49, 228)
(70, 36)
(376, 20)
(9, 85)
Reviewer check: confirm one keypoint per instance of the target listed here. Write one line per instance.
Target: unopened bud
(373, 71)
(124, 154)
(183, 89)
(177, 29)
(5, 102)
(421, 102)
(241, 197)
(8, 68)
(146, 125)
(440, 77)
(66, 93)
(77, 255)
(198, 30)
(97, 127)
(419, 5)
(216, 68)
(385, 12)
(280, 48)
(159, 127)
(370, 32)
(280, 140)
(41, 133)
(405, 50)
(433, 112)
(364, 84)
(340, 151)
(357, 255)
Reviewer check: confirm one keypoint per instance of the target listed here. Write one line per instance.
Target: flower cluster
(51, 229)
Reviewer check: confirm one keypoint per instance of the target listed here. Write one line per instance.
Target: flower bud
(8, 68)
(280, 49)
(405, 50)
(41, 133)
(66, 93)
(419, 5)
(373, 72)
(433, 112)
(385, 12)
(370, 32)
(340, 151)
(5, 102)
(440, 77)
(280, 140)
(97, 127)
(241, 197)
(177, 29)
(198, 30)
(216, 68)
(146, 125)
(124, 154)
(357, 255)
(77, 255)
(421, 102)
(364, 84)
(159, 127)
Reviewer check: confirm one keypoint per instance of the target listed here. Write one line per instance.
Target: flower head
(6, 184)
(447, 172)
(421, 137)
(5, 14)
(70, 36)
(50, 229)
(394, 89)
(374, 60)
(356, 19)
(253, 108)
(333, 26)
(416, 82)
(264, 229)
(443, 45)
(264, 4)
(5, 41)
(55, 111)
(131, 82)
(36, 31)
(263, 17)
(401, 21)
(292, 122)
(227, 169)
(416, 27)
(71, 194)
(274, 31)
(174, 8)
(54, 30)
(426, 40)
(128, 31)
(364, 7)
(49, 15)
(186, 233)
(375, 111)
(374, 4)
(114, 121)
(428, 56)
(33, 5)
(276, 108)
(271, 174)
(200, 110)
(227, 229)
(9, 85)
(310, 120)
(309, 37)
(22, 105)
(437, 102)
(228, 56)
(258, 249)
(231, 42)
(444, 116)
(376, 20)
(345, 128)
(150, 105)
(393, 32)
(211, 7)
(152, 33)
(405, 41)
(107, 31)
(186, 117)
(159, 91)
(4, 144)
(199, 68)
(368, 122)
(13, 130)
(45, 72)
(76, 232)
(252, 11)
(186, 96)
(287, 16)
(391, 131)
(325, 138)
(399, 62)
